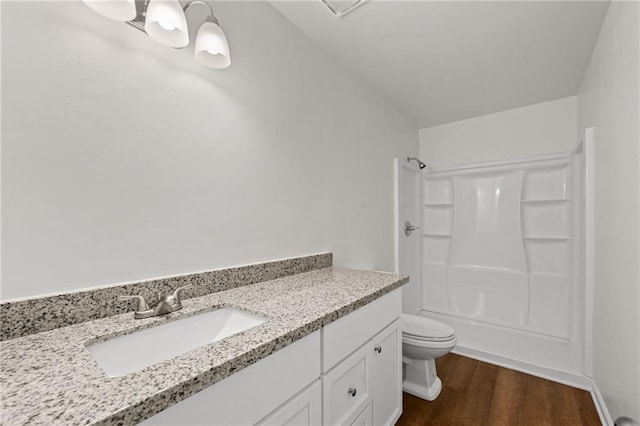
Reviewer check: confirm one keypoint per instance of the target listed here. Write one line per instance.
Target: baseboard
(601, 407)
(566, 378)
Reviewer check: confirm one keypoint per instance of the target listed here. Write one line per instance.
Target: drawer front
(342, 337)
(347, 388)
(365, 418)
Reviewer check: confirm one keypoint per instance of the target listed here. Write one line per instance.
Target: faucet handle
(174, 299)
(142, 304)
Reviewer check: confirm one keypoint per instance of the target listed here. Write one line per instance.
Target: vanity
(349, 372)
(327, 352)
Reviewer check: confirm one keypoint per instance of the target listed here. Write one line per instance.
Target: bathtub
(544, 356)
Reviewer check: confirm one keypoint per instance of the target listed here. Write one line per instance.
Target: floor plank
(475, 393)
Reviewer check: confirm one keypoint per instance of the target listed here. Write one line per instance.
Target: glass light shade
(212, 48)
(118, 10)
(165, 23)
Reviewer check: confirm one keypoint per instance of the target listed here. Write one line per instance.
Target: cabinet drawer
(347, 388)
(342, 337)
(365, 418)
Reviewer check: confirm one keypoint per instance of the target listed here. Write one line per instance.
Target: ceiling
(444, 61)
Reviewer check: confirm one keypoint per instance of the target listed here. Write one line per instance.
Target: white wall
(123, 159)
(608, 100)
(545, 128)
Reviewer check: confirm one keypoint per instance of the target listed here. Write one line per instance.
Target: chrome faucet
(167, 304)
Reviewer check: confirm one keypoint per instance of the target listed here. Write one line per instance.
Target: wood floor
(475, 393)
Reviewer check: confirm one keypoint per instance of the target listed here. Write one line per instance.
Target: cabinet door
(304, 409)
(387, 375)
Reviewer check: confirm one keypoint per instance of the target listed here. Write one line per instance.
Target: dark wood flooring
(475, 393)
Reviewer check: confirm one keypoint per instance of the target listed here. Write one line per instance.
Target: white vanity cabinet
(362, 365)
(349, 372)
(247, 396)
(367, 383)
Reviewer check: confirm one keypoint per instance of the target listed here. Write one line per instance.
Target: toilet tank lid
(415, 325)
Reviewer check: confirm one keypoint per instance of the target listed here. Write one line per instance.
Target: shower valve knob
(409, 228)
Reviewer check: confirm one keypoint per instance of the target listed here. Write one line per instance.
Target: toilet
(423, 340)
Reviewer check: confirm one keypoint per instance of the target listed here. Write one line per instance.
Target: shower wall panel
(497, 244)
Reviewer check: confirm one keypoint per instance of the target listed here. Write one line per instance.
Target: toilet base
(421, 379)
(429, 393)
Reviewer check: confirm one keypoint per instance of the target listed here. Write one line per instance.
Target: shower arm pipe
(138, 21)
(421, 164)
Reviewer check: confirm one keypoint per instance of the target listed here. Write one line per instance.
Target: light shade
(212, 48)
(118, 10)
(165, 23)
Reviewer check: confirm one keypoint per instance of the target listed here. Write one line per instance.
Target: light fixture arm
(138, 22)
(211, 17)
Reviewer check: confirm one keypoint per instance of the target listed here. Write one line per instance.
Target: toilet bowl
(423, 340)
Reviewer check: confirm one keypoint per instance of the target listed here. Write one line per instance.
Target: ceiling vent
(342, 7)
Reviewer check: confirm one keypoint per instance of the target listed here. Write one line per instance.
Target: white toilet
(423, 340)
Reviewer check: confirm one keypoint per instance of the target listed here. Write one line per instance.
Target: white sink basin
(132, 352)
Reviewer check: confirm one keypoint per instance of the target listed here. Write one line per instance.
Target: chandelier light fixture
(165, 22)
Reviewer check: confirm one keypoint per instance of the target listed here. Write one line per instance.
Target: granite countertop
(50, 377)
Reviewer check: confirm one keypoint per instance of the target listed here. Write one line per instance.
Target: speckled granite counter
(50, 378)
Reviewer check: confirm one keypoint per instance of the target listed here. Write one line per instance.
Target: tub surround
(34, 315)
(50, 377)
(502, 259)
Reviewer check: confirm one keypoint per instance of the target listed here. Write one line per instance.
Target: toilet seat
(420, 329)
(429, 344)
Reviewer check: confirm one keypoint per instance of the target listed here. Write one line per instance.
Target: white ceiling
(444, 61)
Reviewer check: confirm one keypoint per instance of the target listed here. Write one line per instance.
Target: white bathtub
(544, 356)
